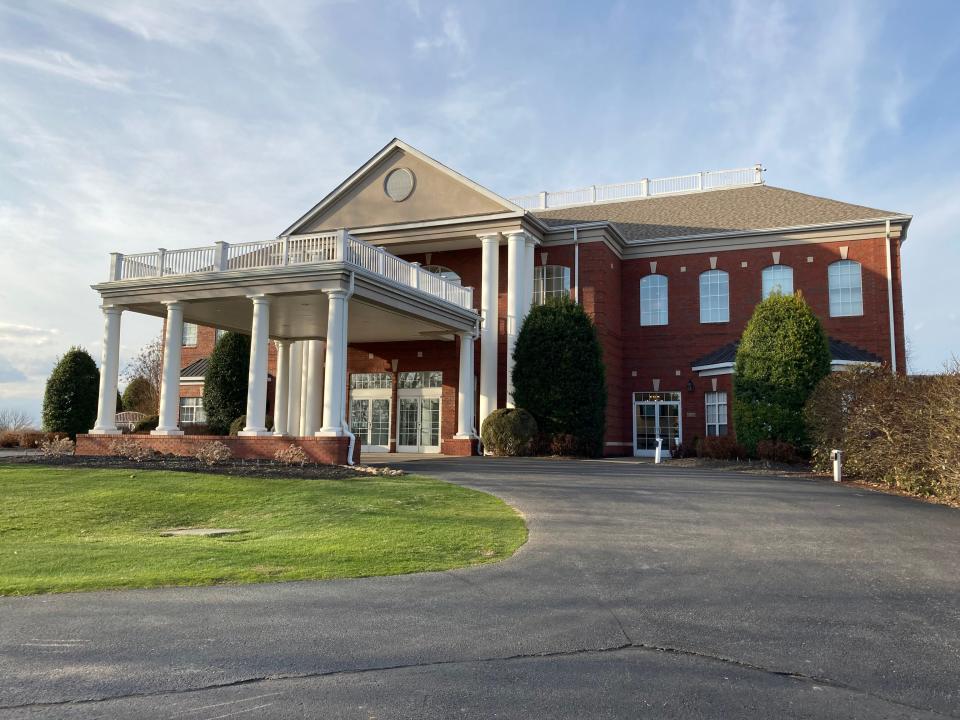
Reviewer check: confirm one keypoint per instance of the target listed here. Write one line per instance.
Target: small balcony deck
(302, 251)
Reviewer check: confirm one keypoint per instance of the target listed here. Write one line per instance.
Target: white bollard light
(837, 457)
(656, 457)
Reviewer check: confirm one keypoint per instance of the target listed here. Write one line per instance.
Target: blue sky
(129, 126)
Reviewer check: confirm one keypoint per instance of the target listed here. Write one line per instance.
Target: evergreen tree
(559, 376)
(70, 398)
(225, 384)
(783, 354)
(140, 396)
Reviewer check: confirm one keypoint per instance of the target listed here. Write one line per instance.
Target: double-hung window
(846, 288)
(653, 300)
(714, 297)
(191, 411)
(716, 413)
(777, 279)
(550, 281)
(189, 335)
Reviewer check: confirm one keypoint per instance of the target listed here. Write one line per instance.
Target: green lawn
(67, 529)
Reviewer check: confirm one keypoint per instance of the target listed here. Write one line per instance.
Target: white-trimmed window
(371, 381)
(422, 379)
(444, 272)
(777, 279)
(550, 281)
(189, 336)
(653, 300)
(191, 411)
(716, 413)
(714, 297)
(220, 333)
(846, 288)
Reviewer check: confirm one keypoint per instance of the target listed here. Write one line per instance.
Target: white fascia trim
(396, 144)
(714, 366)
(191, 380)
(466, 219)
(841, 363)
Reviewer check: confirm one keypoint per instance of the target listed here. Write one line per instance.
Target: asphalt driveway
(643, 592)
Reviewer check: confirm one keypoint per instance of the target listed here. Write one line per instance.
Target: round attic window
(399, 184)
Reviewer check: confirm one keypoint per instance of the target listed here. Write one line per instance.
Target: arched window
(714, 297)
(653, 300)
(777, 279)
(550, 281)
(444, 272)
(846, 288)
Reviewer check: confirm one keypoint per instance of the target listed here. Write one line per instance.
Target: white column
(109, 367)
(528, 277)
(257, 377)
(296, 380)
(335, 370)
(281, 389)
(489, 331)
(465, 390)
(516, 260)
(170, 381)
(312, 410)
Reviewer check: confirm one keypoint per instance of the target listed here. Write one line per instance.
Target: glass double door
(656, 416)
(419, 424)
(370, 423)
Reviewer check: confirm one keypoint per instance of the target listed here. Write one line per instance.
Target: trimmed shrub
(70, 398)
(146, 425)
(214, 452)
(291, 455)
(779, 451)
(559, 376)
(237, 425)
(723, 447)
(140, 396)
(509, 431)
(225, 384)
(782, 355)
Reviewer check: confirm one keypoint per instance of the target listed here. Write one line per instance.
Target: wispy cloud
(64, 65)
(449, 37)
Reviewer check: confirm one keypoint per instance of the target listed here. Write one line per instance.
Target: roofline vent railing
(318, 248)
(647, 187)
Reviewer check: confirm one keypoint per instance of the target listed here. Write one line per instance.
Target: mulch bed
(238, 468)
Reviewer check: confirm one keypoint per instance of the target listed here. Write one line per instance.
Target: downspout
(576, 267)
(343, 405)
(893, 337)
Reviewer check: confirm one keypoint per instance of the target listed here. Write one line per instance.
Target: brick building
(391, 286)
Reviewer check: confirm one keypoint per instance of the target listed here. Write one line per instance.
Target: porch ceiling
(302, 316)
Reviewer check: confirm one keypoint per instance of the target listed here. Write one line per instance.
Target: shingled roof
(840, 351)
(756, 207)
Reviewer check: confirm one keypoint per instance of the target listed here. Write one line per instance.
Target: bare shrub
(723, 447)
(131, 450)
(214, 452)
(57, 446)
(291, 455)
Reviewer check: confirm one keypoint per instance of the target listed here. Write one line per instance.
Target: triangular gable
(438, 193)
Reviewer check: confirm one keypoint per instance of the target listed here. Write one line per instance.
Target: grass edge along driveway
(66, 529)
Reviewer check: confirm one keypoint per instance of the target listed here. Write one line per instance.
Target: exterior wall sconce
(690, 387)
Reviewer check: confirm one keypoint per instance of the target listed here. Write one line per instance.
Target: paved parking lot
(643, 592)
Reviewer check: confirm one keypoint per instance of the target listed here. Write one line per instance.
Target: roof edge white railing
(647, 187)
(338, 246)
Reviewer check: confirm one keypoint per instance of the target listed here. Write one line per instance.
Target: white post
(528, 279)
(109, 367)
(161, 260)
(116, 266)
(335, 370)
(221, 256)
(489, 331)
(296, 388)
(281, 389)
(837, 457)
(516, 260)
(465, 390)
(312, 408)
(257, 377)
(170, 381)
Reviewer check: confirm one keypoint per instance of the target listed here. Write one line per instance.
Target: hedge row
(903, 431)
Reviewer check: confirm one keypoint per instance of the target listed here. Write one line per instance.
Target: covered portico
(312, 295)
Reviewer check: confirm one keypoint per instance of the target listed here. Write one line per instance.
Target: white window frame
(189, 334)
(845, 285)
(772, 280)
(197, 415)
(219, 334)
(545, 278)
(654, 300)
(719, 401)
(714, 296)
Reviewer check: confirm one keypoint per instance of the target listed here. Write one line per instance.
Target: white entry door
(656, 415)
(370, 422)
(418, 412)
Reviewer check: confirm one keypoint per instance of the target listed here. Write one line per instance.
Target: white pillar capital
(260, 299)
(491, 238)
(336, 294)
(173, 305)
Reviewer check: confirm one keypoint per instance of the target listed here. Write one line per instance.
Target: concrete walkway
(643, 592)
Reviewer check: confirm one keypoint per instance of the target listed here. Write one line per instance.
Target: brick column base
(328, 450)
(460, 447)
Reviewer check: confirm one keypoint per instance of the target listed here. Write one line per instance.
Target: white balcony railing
(320, 248)
(710, 180)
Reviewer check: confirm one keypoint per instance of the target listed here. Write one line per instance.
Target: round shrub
(70, 399)
(141, 396)
(147, 424)
(237, 425)
(509, 431)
